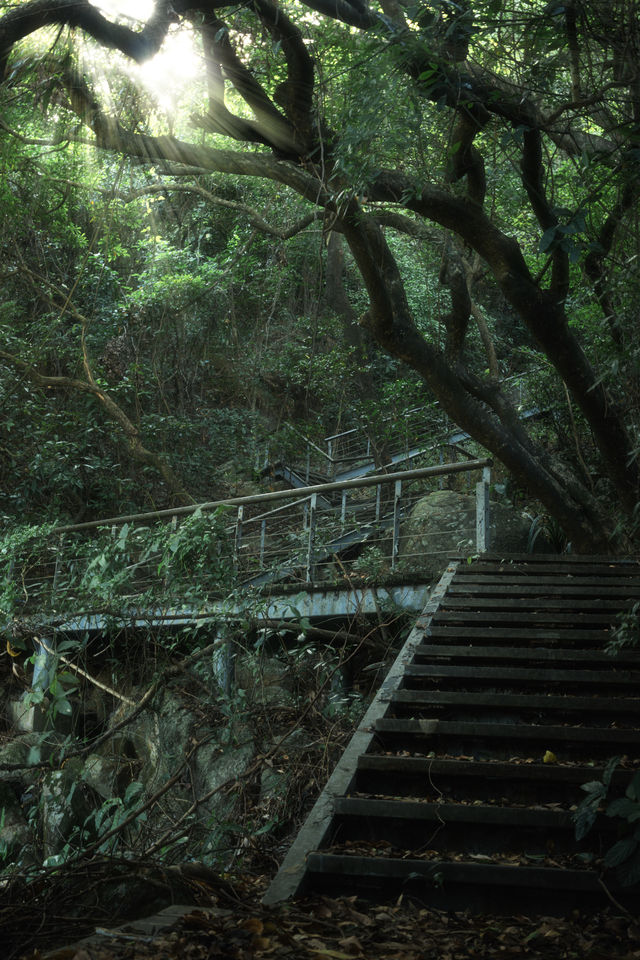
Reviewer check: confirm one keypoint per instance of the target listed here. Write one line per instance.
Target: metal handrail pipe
(269, 513)
(310, 443)
(440, 470)
(345, 433)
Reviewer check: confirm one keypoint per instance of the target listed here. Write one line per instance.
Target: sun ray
(168, 74)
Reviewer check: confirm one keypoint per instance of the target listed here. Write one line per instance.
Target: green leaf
(628, 873)
(132, 791)
(594, 787)
(624, 807)
(584, 818)
(633, 790)
(620, 851)
(611, 765)
(547, 239)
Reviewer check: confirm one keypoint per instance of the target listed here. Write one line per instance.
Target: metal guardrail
(325, 532)
(353, 525)
(401, 441)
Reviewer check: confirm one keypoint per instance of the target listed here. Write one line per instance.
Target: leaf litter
(347, 928)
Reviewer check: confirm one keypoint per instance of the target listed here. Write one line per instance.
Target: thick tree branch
(140, 45)
(398, 221)
(273, 128)
(220, 120)
(465, 160)
(532, 179)
(478, 316)
(594, 261)
(198, 159)
(295, 94)
(540, 311)
(251, 215)
(571, 26)
(457, 320)
(390, 323)
(352, 12)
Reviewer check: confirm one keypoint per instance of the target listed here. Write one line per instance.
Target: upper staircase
(459, 785)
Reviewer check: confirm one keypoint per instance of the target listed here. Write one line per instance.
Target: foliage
(159, 564)
(20, 554)
(623, 857)
(626, 632)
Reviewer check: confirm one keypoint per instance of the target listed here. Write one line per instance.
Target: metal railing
(330, 532)
(397, 442)
(400, 441)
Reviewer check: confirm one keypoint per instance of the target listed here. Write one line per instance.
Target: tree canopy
(482, 148)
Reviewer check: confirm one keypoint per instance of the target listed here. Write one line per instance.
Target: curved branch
(137, 449)
(114, 411)
(478, 316)
(390, 323)
(412, 228)
(110, 135)
(139, 45)
(352, 12)
(295, 95)
(457, 320)
(539, 310)
(273, 128)
(252, 215)
(594, 261)
(465, 160)
(571, 26)
(532, 180)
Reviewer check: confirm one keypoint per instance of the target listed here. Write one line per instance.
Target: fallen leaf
(352, 944)
(333, 954)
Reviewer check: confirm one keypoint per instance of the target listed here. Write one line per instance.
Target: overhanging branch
(139, 45)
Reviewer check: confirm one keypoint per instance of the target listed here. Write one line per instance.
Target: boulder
(443, 525)
(101, 773)
(265, 680)
(154, 744)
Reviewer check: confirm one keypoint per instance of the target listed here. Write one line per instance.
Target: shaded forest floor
(234, 925)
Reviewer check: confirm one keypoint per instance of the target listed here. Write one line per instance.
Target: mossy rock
(443, 525)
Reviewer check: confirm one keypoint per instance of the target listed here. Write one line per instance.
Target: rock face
(443, 525)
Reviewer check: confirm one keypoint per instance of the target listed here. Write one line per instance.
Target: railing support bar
(238, 537)
(312, 532)
(395, 547)
(483, 529)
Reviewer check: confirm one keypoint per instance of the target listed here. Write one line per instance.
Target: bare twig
(83, 673)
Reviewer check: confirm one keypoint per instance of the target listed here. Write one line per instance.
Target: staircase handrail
(274, 495)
